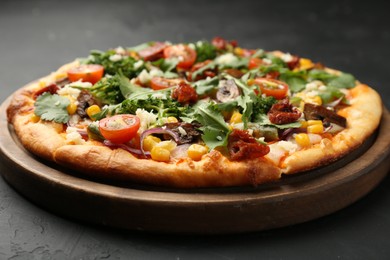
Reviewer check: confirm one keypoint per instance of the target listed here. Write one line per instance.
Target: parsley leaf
(52, 107)
(108, 89)
(345, 80)
(205, 51)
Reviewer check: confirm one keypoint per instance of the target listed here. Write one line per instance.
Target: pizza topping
(185, 55)
(87, 72)
(227, 91)
(158, 83)
(283, 113)
(185, 94)
(153, 52)
(119, 128)
(203, 95)
(187, 132)
(244, 146)
(313, 112)
(272, 87)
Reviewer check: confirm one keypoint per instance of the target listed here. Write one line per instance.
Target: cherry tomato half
(272, 87)
(158, 83)
(119, 128)
(255, 63)
(87, 73)
(183, 53)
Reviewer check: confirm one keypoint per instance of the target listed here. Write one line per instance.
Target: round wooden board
(295, 199)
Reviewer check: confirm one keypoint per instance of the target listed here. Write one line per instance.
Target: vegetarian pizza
(202, 114)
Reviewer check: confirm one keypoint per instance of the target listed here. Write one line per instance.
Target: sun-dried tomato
(283, 113)
(185, 94)
(293, 63)
(244, 146)
(52, 89)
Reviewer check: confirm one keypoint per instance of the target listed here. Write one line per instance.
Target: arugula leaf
(295, 80)
(263, 120)
(345, 80)
(214, 128)
(52, 107)
(320, 75)
(200, 71)
(166, 65)
(205, 86)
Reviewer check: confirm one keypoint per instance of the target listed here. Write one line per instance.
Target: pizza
(201, 114)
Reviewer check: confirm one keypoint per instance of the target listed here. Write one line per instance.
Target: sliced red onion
(158, 130)
(334, 103)
(180, 151)
(125, 147)
(333, 128)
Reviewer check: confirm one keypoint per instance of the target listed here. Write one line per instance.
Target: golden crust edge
(365, 101)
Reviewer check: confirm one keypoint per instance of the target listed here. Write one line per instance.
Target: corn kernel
(315, 129)
(149, 142)
(314, 122)
(169, 145)
(250, 82)
(160, 154)
(302, 139)
(316, 100)
(34, 118)
(172, 119)
(92, 110)
(305, 64)
(196, 151)
(238, 51)
(236, 118)
(60, 75)
(304, 124)
(71, 108)
(42, 83)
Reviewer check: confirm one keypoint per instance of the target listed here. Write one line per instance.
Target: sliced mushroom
(227, 91)
(314, 112)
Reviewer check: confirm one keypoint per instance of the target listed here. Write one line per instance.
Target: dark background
(36, 37)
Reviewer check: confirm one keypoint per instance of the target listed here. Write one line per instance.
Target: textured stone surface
(38, 36)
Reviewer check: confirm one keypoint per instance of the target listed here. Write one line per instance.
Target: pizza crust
(363, 117)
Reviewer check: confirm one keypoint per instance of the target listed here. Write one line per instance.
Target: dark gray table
(38, 36)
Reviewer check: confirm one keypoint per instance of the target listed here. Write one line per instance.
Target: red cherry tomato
(119, 128)
(153, 52)
(87, 73)
(183, 53)
(272, 87)
(255, 63)
(158, 83)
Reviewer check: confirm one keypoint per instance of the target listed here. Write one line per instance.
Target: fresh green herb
(166, 65)
(205, 51)
(295, 80)
(111, 67)
(345, 80)
(200, 71)
(52, 107)
(205, 86)
(214, 128)
(108, 89)
(330, 94)
(316, 74)
(262, 106)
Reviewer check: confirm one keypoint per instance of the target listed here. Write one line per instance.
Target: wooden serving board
(294, 199)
